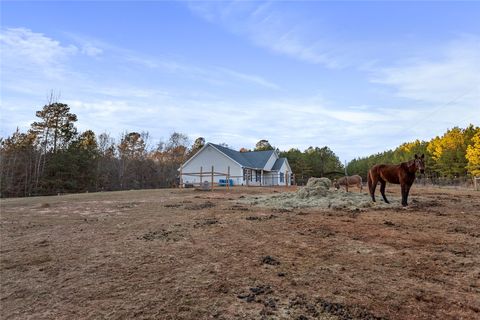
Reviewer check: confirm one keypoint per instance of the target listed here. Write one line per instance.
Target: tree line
(454, 154)
(52, 157)
(312, 162)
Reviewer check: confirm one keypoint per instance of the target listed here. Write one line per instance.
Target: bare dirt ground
(184, 254)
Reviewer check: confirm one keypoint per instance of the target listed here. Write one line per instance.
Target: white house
(261, 168)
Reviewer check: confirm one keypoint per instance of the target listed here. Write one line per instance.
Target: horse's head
(336, 184)
(420, 163)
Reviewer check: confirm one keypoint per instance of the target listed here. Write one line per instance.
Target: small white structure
(260, 168)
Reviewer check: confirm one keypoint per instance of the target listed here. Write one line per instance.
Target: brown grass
(181, 254)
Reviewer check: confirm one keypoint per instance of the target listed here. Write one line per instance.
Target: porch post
(261, 178)
(228, 178)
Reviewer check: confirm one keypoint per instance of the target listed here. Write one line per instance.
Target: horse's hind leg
(383, 184)
(372, 185)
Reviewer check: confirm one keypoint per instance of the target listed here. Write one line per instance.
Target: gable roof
(278, 164)
(232, 154)
(258, 159)
(251, 159)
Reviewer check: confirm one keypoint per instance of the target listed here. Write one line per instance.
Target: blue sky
(359, 77)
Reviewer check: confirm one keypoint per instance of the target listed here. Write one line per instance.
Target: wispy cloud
(445, 91)
(287, 123)
(163, 93)
(456, 74)
(91, 50)
(23, 49)
(268, 27)
(122, 103)
(249, 78)
(33, 47)
(213, 74)
(29, 58)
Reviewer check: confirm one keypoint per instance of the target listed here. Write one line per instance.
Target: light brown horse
(403, 174)
(354, 180)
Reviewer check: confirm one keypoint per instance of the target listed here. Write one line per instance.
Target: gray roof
(278, 164)
(252, 159)
(258, 158)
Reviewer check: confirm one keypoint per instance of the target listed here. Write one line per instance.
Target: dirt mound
(317, 193)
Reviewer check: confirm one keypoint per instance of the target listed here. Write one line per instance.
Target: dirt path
(181, 254)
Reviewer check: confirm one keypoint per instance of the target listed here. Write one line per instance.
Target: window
(247, 174)
(282, 178)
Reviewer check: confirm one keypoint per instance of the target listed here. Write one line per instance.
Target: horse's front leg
(383, 184)
(405, 191)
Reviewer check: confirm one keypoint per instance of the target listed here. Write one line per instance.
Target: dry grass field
(185, 254)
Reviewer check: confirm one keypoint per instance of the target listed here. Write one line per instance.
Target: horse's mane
(408, 164)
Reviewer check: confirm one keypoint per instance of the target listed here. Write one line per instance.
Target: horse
(403, 174)
(354, 180)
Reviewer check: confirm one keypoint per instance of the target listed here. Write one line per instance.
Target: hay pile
(316, 187)
(317, 193)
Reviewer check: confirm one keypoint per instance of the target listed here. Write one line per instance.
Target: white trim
(196, 154)
(274, 154)
(206, 145)
(288, 164)
(241, 166)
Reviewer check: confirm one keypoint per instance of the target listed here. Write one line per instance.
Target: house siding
(207, 158)
(271, 161)
(221, 159)
(283, 169)
(271, 178)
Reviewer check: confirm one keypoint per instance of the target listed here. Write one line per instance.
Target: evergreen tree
(56, 126)
(197, 145)
(263, 145)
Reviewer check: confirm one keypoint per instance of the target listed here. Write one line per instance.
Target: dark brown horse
(403, 174)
